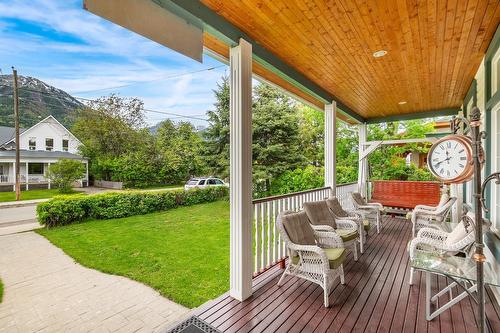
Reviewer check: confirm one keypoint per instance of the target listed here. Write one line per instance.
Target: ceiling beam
(417, 115)
(198, 14)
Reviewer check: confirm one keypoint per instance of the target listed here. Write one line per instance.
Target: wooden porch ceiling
(434, 48)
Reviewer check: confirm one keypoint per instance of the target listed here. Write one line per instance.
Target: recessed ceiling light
(380, 53)
(402, 103)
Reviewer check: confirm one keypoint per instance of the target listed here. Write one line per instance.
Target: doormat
(193, 325)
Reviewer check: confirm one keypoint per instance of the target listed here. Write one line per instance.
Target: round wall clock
(450, 159)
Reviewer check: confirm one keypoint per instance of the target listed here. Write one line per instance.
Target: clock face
(449, 159)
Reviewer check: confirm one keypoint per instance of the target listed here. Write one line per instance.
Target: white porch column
(362, 162)
(330, 146)
(48, 178)
(240, 162)
(87, 173)
(13, 178)
(26, 175)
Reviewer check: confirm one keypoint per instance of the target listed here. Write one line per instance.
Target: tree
(64, 173)
(276, 143)
(108, 126)
(217, 133)
(181, 148)
(311, 134)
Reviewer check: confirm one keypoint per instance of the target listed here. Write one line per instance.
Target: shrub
(64, 210)
(64, 173)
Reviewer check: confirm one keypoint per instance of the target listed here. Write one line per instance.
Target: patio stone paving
(46, 291)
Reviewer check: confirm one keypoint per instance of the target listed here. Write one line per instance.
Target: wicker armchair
(431, 217)
(339, 213)
(369, 210)
(444, 243)
(316, 256)
(322, 219)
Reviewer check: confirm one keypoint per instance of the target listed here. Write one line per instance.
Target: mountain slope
(37, 100)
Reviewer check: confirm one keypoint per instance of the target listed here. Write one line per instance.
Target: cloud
(80, 53)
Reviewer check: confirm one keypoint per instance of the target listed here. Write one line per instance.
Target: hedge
(64, 210)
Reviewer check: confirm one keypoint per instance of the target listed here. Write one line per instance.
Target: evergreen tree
(217, 133)
(276, 143)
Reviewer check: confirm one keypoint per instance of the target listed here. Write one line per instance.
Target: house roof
(8, 133)
(39, 154)
(12, 139)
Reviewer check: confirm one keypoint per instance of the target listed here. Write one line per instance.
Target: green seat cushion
(366, 225)
(347, 235)
(336, 257)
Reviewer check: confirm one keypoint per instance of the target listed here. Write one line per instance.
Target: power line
(94, 100)
(149, 81)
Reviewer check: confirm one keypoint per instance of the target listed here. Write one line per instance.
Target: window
(65, 144)
(211, 182)
(202, 182)
(219, 182)
(49, 144)
(35, 168)
(32, 144)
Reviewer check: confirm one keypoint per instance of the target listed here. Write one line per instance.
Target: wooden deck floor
(375, 298)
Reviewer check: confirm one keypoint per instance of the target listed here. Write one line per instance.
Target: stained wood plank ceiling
(434, 47)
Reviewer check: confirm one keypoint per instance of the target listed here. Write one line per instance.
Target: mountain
(37, 100)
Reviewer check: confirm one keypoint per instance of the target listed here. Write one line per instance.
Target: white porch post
(13, 179)
(87, 173)
(26, 175)
(48, 178)
(330, 146)
(362, 162)
(241, 170)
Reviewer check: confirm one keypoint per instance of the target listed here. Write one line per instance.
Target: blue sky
(65, 46)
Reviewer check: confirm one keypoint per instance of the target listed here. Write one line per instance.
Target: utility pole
(16, 117)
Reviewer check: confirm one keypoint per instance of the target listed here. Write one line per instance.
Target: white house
(40, 145)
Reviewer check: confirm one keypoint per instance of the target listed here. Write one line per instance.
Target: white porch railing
(4, 178)
(268, 247)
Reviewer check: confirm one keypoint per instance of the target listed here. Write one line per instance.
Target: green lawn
(1, 291)
(30, 195)
(183, 253)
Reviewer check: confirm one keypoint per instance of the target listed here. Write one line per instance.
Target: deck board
(375, 298)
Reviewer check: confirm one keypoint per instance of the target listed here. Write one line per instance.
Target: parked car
(203, 182)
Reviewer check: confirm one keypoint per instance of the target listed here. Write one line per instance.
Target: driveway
(46, 291)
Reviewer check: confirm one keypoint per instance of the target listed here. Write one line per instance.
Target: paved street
(18, 219)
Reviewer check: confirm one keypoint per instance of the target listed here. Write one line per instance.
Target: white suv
(203, 183)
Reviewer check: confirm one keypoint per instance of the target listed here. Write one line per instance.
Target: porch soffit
(434, 49)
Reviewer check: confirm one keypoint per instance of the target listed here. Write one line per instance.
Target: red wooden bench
(405, 194)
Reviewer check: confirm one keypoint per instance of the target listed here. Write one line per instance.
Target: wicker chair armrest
(328, 239)
(424, 207)
(431, 233)
(415, 242)
(346, 224)
(311, 251)
(322, 228)
(376, 204)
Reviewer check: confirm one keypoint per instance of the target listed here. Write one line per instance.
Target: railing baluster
(257, 238)
(269, 239)
(263, 235)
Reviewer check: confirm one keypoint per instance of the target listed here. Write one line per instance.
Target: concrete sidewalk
(46, 291)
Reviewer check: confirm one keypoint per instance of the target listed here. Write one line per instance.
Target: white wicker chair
(444, 199)
(322, 219)
(444, 243)
(339, 213)
(312, 262)
(369, 210)
(431, 218)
